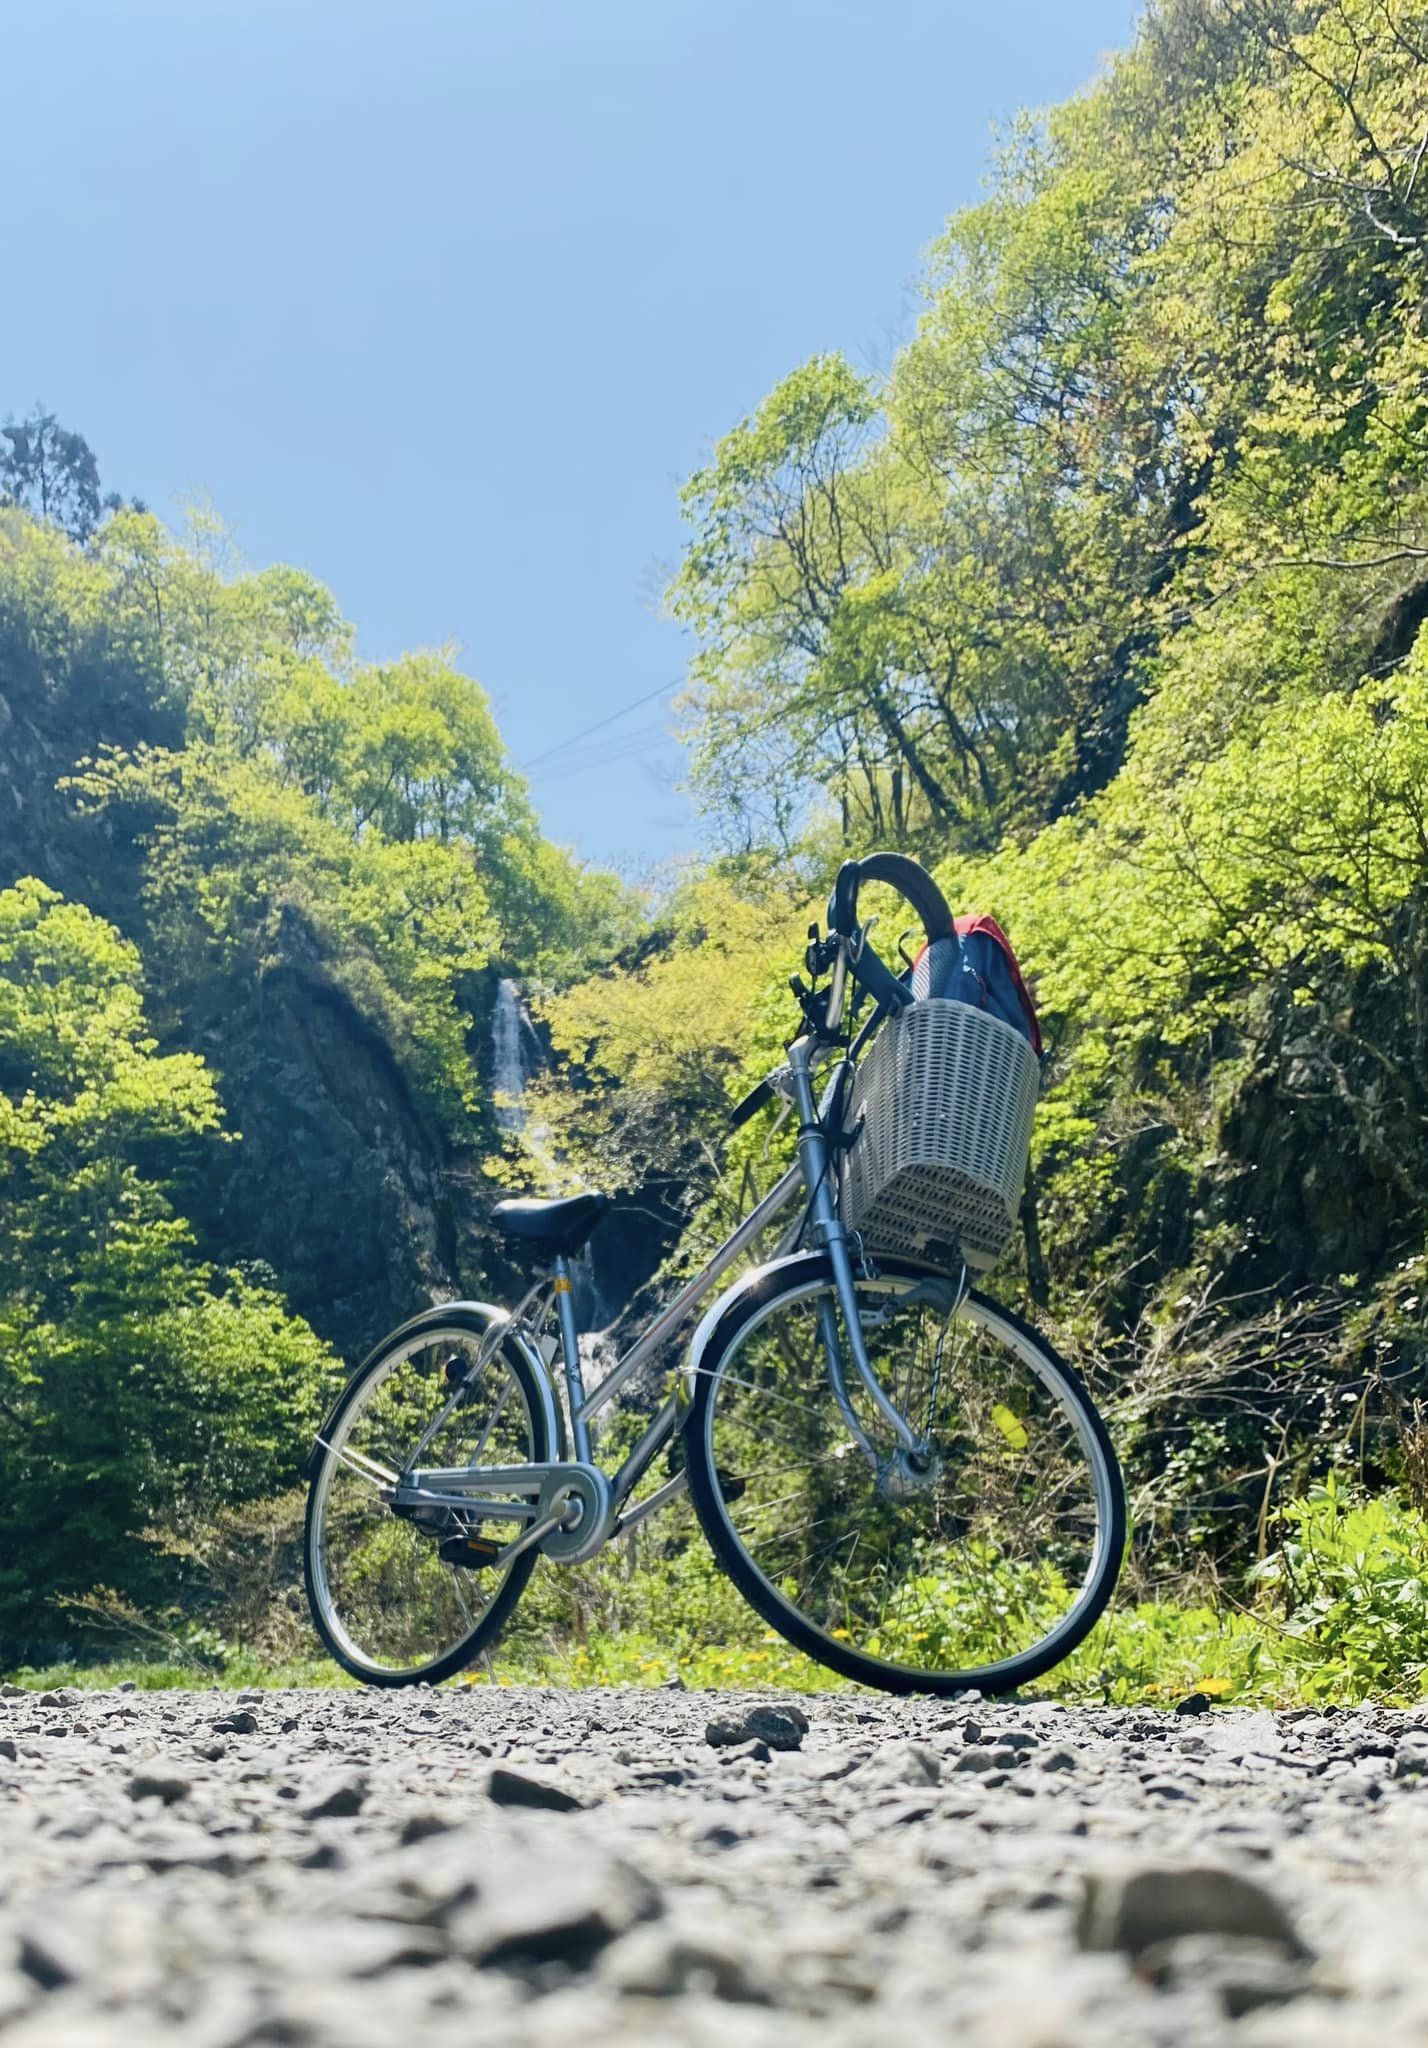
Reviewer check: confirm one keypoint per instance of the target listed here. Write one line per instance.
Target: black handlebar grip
(912, 881)
(907, 876)
(843, 903)
(752, 1103)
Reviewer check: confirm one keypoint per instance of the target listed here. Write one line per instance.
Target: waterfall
(509, 1072)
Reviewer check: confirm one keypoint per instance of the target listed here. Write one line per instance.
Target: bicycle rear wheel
(389, 1594)
(982, 1567)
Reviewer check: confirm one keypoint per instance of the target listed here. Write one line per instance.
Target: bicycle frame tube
(779, 1197)
(812, 1174)
(816, 1169)
(469, 1487)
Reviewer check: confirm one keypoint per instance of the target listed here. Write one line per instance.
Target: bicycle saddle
(558, 1226)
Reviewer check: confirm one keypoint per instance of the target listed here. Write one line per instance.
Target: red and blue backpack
(975, 964)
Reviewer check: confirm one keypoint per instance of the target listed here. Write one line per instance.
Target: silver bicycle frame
(597, 1500)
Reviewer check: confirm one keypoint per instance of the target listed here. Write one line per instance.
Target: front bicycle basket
(945, 1100)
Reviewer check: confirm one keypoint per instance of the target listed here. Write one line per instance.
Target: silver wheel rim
(487, 1589)
(1047, 1647)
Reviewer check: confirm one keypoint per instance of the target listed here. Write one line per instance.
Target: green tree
(142, 1391)
(50, 471)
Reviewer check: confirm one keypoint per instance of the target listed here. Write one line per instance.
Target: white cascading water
(511, 1069)
(508, 1060)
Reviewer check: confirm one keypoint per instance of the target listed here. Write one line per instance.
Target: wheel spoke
(963, 1569)
(388, 1603)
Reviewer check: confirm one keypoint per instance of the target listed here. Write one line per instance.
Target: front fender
(478, 1316)
(753, 1288)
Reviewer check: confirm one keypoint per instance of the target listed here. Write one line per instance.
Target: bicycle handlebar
(915, 886)
(888, 990)
(906, 875)
(752, 1103)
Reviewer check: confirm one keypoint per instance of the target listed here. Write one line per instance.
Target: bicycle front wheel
(982, 1560)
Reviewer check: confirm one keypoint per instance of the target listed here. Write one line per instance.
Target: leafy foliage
(141, 1389)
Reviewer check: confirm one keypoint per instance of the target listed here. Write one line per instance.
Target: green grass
(1339, 1615)
(1152, 1654)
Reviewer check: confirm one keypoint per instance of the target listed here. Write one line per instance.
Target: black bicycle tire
(710, 1508)
(489, 1627)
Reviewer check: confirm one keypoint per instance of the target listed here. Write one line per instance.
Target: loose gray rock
(901, 1763)
(1135, 1912)
(514, 1788)
(337, 1799)
(780, 1727)
(165, 1785)
(660, 1962)
(565, 1907)
(1242, 1973)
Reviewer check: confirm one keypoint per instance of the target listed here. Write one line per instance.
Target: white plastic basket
(945, 1099)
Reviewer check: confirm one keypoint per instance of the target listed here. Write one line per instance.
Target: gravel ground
(512, 1865)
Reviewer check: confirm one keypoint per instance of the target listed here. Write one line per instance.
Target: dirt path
(491, 1866)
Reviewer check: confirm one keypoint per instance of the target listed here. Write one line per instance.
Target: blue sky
(442, 299)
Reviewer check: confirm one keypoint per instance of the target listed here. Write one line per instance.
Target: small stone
(1058, 1760)
(1133, 1913)
(420, 1827)
(127, 1685)
(11, 1692)
(1244, 1974)
(901, 1763)
(1194, 1703)
(660, 1962)
(748, 1753)
(8, 1749)
(339, 1799)
(51, 1956)
(975, 1760)
(167, 1786)
(514, 1788)
(781, 1727)
(244, 1722)
(552, 1909)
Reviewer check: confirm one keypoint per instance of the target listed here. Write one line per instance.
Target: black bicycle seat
(558, 1226)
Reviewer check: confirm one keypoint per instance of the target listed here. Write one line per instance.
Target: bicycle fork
(818, 1169)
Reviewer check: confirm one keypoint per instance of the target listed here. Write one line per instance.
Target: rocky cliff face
(338, 1182)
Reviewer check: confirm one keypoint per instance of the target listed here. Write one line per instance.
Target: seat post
(570, 1346)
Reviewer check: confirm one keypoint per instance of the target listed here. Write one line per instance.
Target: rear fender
(477, 1316)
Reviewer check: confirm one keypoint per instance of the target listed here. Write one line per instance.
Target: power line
(664, 690)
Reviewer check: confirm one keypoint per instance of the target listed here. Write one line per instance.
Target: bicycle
(901, 1477)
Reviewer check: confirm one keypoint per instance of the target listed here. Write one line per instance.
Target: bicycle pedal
(471, 1551)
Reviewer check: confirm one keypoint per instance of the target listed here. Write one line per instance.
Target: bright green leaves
(141, 1390)
(75, 1060)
